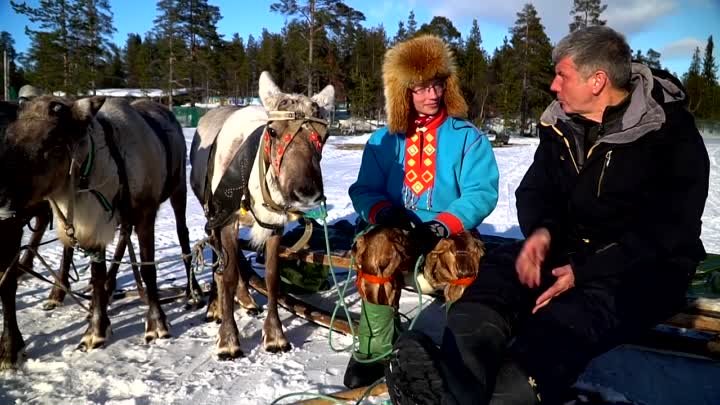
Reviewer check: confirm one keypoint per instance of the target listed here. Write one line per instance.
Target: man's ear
(599, 81)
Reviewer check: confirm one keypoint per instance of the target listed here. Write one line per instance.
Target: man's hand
(531, 258)
(565, 281)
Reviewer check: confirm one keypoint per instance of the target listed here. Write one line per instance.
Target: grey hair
(597, 48)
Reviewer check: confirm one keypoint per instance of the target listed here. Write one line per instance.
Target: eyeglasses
(438, 86)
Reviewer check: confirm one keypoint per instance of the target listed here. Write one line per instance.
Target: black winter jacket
(633, 204)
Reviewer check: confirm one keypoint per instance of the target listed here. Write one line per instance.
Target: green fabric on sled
(302, 277)
(706, 282)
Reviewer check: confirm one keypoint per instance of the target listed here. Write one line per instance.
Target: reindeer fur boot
(376, 335)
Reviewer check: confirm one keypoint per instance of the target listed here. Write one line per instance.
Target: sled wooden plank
(348, 395)
(339, 258)
(693, 321)
(303, 309)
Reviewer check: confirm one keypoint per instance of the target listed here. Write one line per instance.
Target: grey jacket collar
(643, 115)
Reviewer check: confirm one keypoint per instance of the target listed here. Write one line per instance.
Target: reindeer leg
(214, 309)
(273, 337)
(42, 219)
(242, 294)
(228, 335)
(155, 321)
(99, 327)
(11, 341)
(57, 294)
(111, 282)
(193, 292)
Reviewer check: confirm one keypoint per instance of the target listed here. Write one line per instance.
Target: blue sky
(672, 27)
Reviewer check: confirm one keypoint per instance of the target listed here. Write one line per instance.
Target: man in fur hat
(429, 171)
(611, 207)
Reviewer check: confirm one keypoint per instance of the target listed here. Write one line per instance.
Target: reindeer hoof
(252, 311)
(277, 345)
(91, 341)
(225, 353)
(193, 304)
(212, 318)
(10, 358)
(51, 304)
(214, 313)
(155, 330)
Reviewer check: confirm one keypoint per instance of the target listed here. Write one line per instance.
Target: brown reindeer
(48, 149)
(168, 130)
(258, 167)
(11, 231)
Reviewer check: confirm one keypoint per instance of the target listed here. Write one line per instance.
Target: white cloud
(636, 15)
(682, 48)
(626, 16)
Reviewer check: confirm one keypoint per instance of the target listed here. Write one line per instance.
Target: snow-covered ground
(183, 370)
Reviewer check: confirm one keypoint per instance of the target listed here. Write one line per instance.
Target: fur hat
(415, 61)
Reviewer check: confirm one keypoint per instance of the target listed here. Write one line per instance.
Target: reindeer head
(454, 263)
(293, 142)
(384, 253)
(38, 149)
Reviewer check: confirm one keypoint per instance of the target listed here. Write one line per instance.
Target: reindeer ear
(268, 91)
(326, 98)
(86, 108)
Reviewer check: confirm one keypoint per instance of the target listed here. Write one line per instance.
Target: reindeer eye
(271, 131)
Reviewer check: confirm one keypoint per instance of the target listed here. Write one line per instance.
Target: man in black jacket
(611, 209)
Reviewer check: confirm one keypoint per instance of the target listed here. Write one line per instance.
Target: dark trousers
(492, 323)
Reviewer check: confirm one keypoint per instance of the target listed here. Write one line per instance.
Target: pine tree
(7, 44)
(168, 29)
(93, 30)
(365, 90)
(251, 51)
(42, 60)
(586, 13)
(533, 60)
(693, 82)
(133, 60)
(58, 20)
(505, 90)
(443, 28)
(401, 33)
(411, 25)
(709, 67)
(269, 57)
(199, 31)
(473, 73)
(316, 15)
(652, 59)
(237, 68)
(113, 74)
(711, 91)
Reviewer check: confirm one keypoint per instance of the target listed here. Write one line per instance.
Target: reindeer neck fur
(259, 234)
(94, 228)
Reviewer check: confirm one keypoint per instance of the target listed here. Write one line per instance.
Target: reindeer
(257, 167)
(100, 165)
(168, 130)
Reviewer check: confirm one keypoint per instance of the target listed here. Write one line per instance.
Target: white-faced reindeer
(258, 167)
(101, 163)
